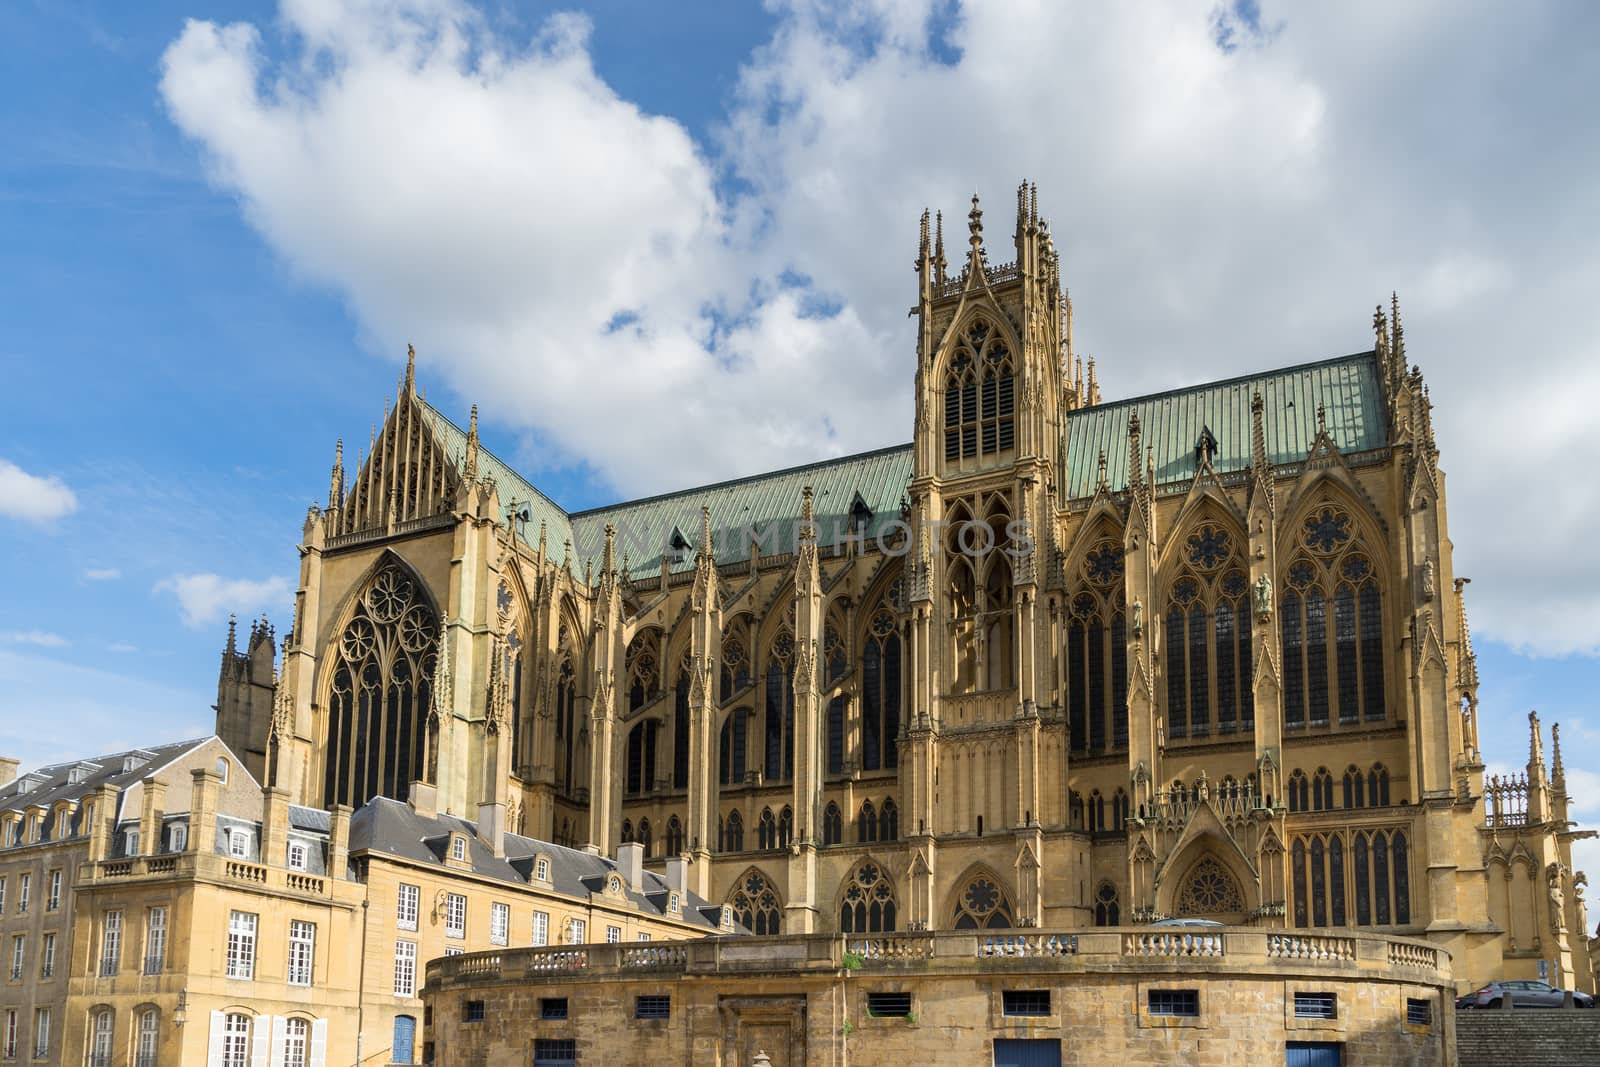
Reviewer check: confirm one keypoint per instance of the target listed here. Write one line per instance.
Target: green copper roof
(766, 506)
(1171, 422)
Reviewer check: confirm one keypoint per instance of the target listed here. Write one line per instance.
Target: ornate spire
(1135, 452)
(1558, 773)
(1092, 390)
(706, 548)
(1258, 434)
(542, 536)
(1022, 209)
(938, 246)
(411, 370)
(444, 690)
(336, 477)
(1100, 478)
(1468, 671)
(808, 530)
(924, 249)
(1535, 748)
(232, 647)
(1322, 419)
(975, 238)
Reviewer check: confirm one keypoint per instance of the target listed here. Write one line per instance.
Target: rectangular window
(1182, 1002)
(19, 949)
(24, 883)
(886, 1005)
(552, 1007)
(295, 1032)
(1025, 1002)
(541, 928)
(499, 924)
(1419, 1012)
(541, 869)
(297, 855)
(405, 909)
(652, 1007)
(580, 932)
(302, 951)
(455, 915)
(405, 968)
(8, 1036)
(458, 848)
(472, 1011)
(132, 848)
(41, 1033)
(1315, 1006)
(2, 896)
(53, 901)
(236, 1041)
(452, 950)
(180, 837)
(241, 944)
(155, 941)
(238, 845)
(643, 936)
(149, 1038)
(555, 1052)
(47, 956)
(111, 943)
(613, 935)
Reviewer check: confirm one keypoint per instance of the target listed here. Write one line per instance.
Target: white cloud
(40, 638)
(207, 598)
(31, 497)
(1217, 211)
(121, 647)
(101, 574)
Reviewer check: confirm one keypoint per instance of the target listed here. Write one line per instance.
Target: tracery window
(880, 692)
(736, 674)
(868, 904)
(643, 654)
(767, 830)
(1332, 665)
(835, 656)
(1299, 791)
(889, 821)
(979, 402)
(730, 833)
(832, 825)
(1106, 912)
(1096, 670)
(566, 726)
(1097, 812)
(641, 757)
(381, 692)
(734, 747)
(867, 822)
(755, 903)
(1209, 889)
(836, 735)
(675, 840)
(982, 905)
(645, 837)
(680, 729)
(785, 826)
(1363, 789)
(1322, 790)
(1208, 653)
(1121, 809)
(779, 721)
(1369, 867)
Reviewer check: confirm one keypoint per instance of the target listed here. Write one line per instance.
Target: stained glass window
(755, 904)
(981, 369)
(868, 901)
(982, 906)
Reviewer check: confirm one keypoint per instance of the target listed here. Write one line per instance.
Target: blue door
(1016, 1052)
(1312, 1054)
(405, 1039)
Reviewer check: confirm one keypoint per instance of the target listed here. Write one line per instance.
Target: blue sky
(220, 236)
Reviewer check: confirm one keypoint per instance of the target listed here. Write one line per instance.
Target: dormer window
(179, 837)
(133, 843)
(541, 869)
(678, 547)
(727, 917)
(297, 855)
(614, 885)
(238, 844)
(674, 902)
(458, 849)
(860, 516)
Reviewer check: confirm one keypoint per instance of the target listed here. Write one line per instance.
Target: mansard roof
(1349, 388)
(765, 507)
(77, 779)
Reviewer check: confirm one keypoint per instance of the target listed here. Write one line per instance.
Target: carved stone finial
(411, 369)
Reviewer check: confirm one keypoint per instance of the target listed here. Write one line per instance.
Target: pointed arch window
(641, 757)
(1369, 866)
(680, 730)
(1106, 912)
(730, 833)
(867, 823)
(785, 826)
(381, 692)
(767, 830)
(779, 721)
(1378, 786)
(1208, 648)
(1332, 626)
(566, 733)
(962, 597)
(674, 836)
(979, 396)
(832, 825)
(982, 905)
(736, 676)
(836, 735)
(1299, 791)
(755, 903)
(643, 657)
(835, 656)
(889, 821)
(1322, 790)
(645, 837)
(868, 903)
(1096, 671)
(880, 692)
(734, 746)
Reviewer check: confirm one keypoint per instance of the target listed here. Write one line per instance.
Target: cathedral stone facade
(1061, 661)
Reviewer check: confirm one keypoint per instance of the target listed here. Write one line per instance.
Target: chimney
(424, 799)
(155, 801)
(8, 770)
(678, 873)
(275, 826)
(630, 859)
(492, 827)
(102, 821)
(203, 811)
(339, 841)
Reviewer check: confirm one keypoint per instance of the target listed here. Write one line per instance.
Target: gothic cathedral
(1061, 661)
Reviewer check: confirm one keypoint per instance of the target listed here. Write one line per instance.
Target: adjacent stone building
(1013, 999)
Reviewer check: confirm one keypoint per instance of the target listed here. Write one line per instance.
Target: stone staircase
(1551, 1037)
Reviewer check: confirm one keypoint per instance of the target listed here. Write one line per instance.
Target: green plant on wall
(852, 961)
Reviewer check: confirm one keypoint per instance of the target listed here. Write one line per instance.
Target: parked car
(1522, 994)
(1186, 922)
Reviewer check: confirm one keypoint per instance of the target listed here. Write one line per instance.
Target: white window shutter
(214, 1046)
(319, 1043)
(260, 1040)
(280, 1039)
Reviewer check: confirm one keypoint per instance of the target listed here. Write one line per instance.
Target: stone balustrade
(206, 866)
(1097, 949)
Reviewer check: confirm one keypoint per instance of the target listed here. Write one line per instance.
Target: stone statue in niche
(1136, 615)
(1427, 578)
(1558, 910)
(1263, 598)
